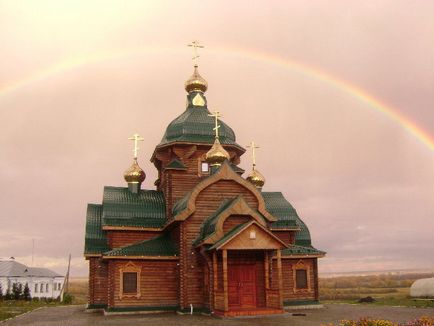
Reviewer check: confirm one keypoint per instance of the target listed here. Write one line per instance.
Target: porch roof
(294, 250)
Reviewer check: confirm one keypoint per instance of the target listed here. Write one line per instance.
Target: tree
(26, 293)
(8, 295)
(1, 292)
(17, 291)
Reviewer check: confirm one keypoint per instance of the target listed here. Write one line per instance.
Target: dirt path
(75, 315)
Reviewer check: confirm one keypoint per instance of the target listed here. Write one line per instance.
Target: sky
(310, 82)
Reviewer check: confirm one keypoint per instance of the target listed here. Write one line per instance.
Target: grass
(386, 289)
(11, 308)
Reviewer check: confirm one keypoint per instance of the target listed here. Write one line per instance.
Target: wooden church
(206, 239)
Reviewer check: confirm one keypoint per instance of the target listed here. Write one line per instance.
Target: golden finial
(136, 138)
(196, 82)
(135, 174)
(216, 115)
(255, 177)
(217, 154)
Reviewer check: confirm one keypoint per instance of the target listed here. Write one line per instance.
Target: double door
(242, 286)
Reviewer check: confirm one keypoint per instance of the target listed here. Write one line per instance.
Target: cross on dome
(136, 138)
(253, 146)
(195, 45)
(216, 115)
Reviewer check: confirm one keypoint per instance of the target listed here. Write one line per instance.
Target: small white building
(423, 288)
(42, 282)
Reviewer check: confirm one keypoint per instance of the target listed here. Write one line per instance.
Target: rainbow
(312, 72)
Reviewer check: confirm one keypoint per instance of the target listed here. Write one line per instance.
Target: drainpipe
(191, 309)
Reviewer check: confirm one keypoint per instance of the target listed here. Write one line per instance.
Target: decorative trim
(300, 265)
(224, 173)
(129, 228)
(92, 255)
(295, 228)
(130, 267)
(302, 256)
(143, 257)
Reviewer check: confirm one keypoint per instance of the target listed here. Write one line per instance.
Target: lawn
(11, 308)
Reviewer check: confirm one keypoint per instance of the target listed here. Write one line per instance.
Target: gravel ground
(75, 315)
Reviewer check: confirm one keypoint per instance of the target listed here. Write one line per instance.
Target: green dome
(195, 125)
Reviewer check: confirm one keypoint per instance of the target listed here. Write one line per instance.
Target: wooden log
(225, 278)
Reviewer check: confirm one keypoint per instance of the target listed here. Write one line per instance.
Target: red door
(242, 286)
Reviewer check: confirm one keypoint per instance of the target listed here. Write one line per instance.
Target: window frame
(130, 267)
(306, 285)
(305, 266)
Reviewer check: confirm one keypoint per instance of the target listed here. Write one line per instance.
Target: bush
(422, 321)
(68, 298)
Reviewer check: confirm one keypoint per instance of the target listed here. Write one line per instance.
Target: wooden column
(215, 276)
(315, 278)
(279, 275)
(266, 270)
(225, 278)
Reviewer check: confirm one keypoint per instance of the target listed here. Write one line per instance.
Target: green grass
(11, 308)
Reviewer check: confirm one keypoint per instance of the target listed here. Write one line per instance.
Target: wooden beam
(225, 278)
(215, 275)
(279, 275)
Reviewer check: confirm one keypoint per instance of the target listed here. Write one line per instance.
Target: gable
(225, 173)
(249, 236)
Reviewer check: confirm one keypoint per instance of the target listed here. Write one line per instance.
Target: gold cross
(253, 146)
(216, 115)
(195, 45)
(136, 139)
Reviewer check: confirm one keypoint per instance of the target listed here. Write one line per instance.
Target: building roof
(159, 246)
(121, 207)
(195, 125)
(95, 238)
(295, 250)
(11, 268)
(287, 216)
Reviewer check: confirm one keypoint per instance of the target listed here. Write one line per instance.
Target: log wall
(120, 238)
(98, 272)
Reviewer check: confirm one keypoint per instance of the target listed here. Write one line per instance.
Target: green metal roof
(121, 207)
(181, 204)
(295, 250)
(195, 125)
(159, 246)
(176, 165)
(237, 169)
(287, 216)
(95, 239)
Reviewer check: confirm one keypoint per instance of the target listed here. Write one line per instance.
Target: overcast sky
(77, 78)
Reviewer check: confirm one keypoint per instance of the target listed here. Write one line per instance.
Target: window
(301, 279)
(204, 167)
(42, 288)
(36, 288)
(129, 283)
(46, 288)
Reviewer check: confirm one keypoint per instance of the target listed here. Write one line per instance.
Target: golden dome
(134, 174)
(217, 154)
(256, 178)
(196, 82)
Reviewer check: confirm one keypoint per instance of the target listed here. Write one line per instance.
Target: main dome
(195, 125)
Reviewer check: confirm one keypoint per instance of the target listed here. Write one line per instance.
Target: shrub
(68, 298)
(1, 292)
(422, 321)
(17, 291)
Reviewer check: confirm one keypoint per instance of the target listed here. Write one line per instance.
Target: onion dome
(256, 178)
(134, 174)
(196, 83)
(217, 154)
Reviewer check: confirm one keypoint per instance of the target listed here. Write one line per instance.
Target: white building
(42, 282)
(423, 288)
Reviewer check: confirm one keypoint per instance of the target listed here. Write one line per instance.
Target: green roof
(287, 216)
(295, 250)
(181, 204)
(237, 169)
(159, 246)
(175, 165)
(121, 207)
(195, 125)
(95, 239)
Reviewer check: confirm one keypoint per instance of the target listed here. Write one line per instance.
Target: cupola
(135, 175)
(255, 177)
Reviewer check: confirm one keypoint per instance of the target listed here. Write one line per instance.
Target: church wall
(120, 238)
(289, 290)
(192, 264)
(158, 283)
(98, 272)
